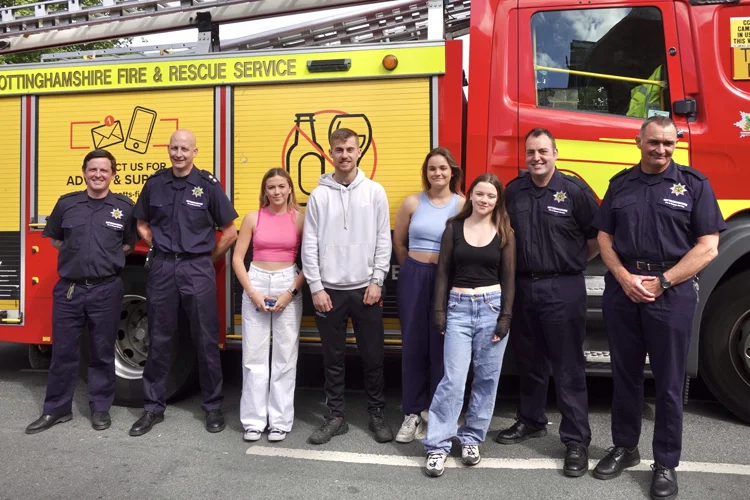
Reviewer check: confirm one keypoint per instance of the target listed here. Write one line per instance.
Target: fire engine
(590, 72)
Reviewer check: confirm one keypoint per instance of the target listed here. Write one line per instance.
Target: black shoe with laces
(379, 427)
(519, 432)
(576, 460)
(215, 421)
(663, 483)
(617, 460)
(333, 426)
(100, 420)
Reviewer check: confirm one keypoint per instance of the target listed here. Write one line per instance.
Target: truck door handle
(686, 107)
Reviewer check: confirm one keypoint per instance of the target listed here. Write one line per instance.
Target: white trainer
(251, 435)
(435, 465)
(275, 435)
(470, 454)
(408, 429)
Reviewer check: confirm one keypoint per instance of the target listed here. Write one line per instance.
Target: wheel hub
(741, 350)
(132, 343)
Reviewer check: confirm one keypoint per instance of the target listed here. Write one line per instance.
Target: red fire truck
(590, 72)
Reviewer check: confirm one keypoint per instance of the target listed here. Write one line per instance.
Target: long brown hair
(499, 214)
(291, 201)
(456, 173)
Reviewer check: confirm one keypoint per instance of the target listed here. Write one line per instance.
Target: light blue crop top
(428, 223)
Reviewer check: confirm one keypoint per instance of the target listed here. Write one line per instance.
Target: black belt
(645, 265)
(541, 276)
(94, 281)
(180, 255)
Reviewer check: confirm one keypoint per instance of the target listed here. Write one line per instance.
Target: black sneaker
(333, 426)
(379, 427)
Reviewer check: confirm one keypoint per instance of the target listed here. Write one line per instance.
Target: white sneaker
(276, 435)
(435, 465)
(408, 429)
(251, 435)
(470, 454)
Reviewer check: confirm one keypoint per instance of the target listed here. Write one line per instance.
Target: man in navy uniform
(178, 212)
(659, 225)
(93, 230)
(551, 215)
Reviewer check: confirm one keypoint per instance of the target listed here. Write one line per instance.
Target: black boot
(663, 483)
(576, 460)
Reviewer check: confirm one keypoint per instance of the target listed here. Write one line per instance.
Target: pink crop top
(275, 238)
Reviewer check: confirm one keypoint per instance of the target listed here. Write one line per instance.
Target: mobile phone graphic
(139, 132)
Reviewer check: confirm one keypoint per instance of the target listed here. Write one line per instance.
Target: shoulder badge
(691, 171)
(207, 175)
(124, 198)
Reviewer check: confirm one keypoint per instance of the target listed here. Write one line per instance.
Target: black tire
(40, 356)
(129, 360)
(724, 345)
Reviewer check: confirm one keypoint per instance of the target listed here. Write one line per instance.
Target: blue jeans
(468, 339)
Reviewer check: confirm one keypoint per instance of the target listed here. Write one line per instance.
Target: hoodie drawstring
(345, 205)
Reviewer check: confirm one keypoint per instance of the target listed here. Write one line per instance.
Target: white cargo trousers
(268, 391)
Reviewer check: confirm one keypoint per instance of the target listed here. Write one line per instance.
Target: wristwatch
(377, 281)
(293, 291)
(665, 283)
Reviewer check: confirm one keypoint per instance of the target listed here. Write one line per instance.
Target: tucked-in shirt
(658, 218)
(551, 224)
(183, 215)
(93, 233)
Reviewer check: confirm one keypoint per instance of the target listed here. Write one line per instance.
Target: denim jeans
(468, 339)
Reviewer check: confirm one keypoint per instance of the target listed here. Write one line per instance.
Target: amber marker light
(390, 62)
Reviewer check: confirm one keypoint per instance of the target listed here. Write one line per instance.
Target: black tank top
(475, 266)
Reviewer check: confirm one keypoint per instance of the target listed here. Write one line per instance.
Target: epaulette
(691, 171)
(577, 181)
(207, 175)
(124, 198)
(621, 172)
(161, 171)
(520, 176)
(68, 195)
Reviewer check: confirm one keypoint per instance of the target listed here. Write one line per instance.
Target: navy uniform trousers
(547, 331)
(97, 308)
(662, 330)
(187, 285)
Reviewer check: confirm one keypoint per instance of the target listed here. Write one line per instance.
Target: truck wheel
(40, 356)
(725, 345)
(132, 345)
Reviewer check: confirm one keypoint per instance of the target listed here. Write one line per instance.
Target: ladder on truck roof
(56, 23)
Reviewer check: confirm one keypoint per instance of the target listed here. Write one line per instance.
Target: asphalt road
(180, 460)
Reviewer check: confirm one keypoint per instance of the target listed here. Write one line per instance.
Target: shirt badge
(678, 189)
(197, 192)
(116, 213)
(560, 196)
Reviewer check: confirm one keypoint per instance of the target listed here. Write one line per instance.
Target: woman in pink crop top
(271, 307)
(420, 223)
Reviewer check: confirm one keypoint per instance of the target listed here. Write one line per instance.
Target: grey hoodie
(347, 236)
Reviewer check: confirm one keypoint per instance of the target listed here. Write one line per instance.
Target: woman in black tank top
(474, 291)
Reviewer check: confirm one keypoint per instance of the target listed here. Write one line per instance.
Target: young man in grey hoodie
(346, 254)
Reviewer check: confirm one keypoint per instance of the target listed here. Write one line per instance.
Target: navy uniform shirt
(658, 218)
(551, 224)
(184, 213)
(93, 233)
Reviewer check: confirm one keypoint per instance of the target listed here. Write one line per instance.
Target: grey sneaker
(470, 454)
(435, 464)
(275, 435)
(333, 426)
(379, 427)
(251, 435)
(408, 429)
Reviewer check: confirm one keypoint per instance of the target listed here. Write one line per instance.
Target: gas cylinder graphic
(304, 155)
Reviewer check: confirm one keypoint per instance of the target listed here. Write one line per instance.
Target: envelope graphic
(107, 135)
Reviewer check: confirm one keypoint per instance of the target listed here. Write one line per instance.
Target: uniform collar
(637, 173)
(555, 183)
(193, 177)
(109, 199)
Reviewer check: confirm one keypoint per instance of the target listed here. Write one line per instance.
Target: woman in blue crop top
(420, 223)
(474, 290)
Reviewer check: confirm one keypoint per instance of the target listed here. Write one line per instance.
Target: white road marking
(486, 463)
